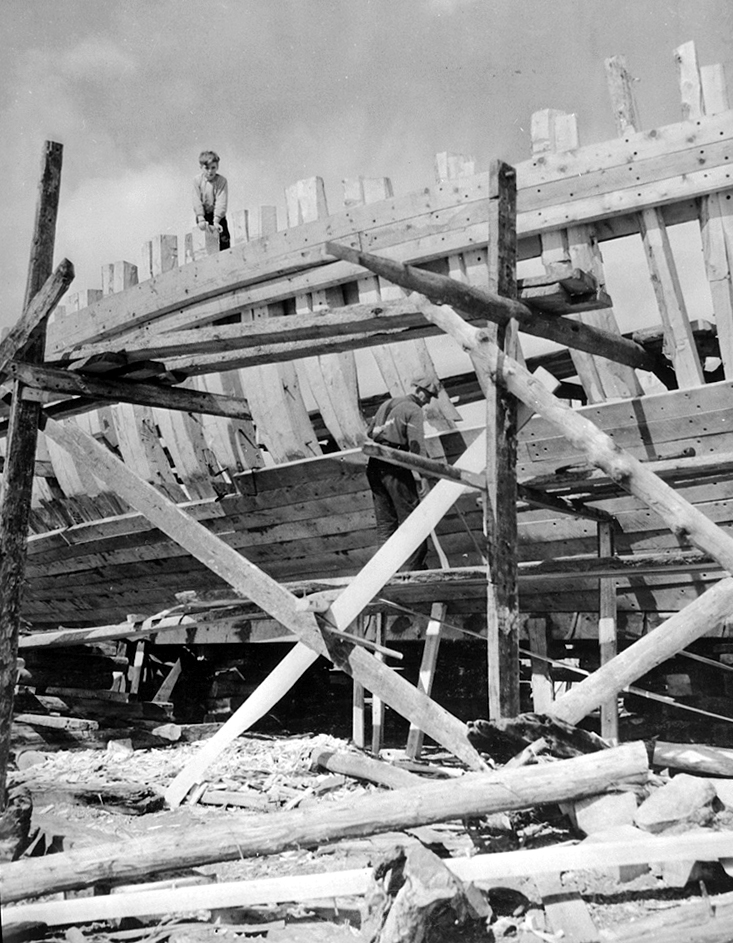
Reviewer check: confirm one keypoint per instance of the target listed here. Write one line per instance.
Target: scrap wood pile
(310, 839)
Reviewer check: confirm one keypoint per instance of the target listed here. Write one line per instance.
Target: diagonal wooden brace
(274, 599)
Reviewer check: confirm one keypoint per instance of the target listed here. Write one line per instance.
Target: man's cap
(424, 382)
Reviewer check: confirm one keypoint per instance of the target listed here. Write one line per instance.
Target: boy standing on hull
(210, 197)
(399, 423)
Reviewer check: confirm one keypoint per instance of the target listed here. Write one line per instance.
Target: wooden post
(541, 680)
(500, 499)
(427, 672)
(17, 481)
(607, 630)
(377, 702)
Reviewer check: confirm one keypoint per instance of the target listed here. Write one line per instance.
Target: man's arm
(415, 431)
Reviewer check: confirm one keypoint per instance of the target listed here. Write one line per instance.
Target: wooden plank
(18, 470)
(679, 343)
(377, 634)
(607, 631)
(566, 911)
(707, 846)
(280, 416)
(128, 391)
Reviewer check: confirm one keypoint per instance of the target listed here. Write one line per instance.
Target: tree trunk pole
(500, 496)
(17, 482)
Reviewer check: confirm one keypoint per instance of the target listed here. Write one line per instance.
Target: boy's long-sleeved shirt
(210, 196)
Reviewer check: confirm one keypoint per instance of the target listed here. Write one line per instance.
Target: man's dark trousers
(394, 492)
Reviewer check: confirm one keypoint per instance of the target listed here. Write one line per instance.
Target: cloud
(97, 58)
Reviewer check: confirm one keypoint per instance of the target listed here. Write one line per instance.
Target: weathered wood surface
(592, 183)
(490, 867)
(19, 467)
(480, 303)
(471, 795)
(314, 518)
(274, 599)
(500, 496)
(679, 342)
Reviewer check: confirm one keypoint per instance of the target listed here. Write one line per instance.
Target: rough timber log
(500, 497)
(160, 898)
(128, 391)
(479, 303)
(472, 795)
(21, 453)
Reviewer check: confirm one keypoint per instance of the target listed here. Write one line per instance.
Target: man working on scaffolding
(399, 424)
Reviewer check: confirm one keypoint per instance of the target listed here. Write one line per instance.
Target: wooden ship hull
(281, 333)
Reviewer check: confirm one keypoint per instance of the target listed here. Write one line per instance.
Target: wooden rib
(679, 343)
(331, 377)
(706, 93)
(556, 131)
(671, 176)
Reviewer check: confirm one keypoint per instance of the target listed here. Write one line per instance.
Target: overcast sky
(286, 89)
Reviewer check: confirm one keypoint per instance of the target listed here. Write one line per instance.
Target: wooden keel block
(118, 276)
(158, 255)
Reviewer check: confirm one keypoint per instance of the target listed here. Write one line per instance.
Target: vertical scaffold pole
(17, 482)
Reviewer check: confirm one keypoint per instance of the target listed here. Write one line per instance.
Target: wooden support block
(158, 255)
(239, 226)
(77, 300)
(118, 276)
(199, 244)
